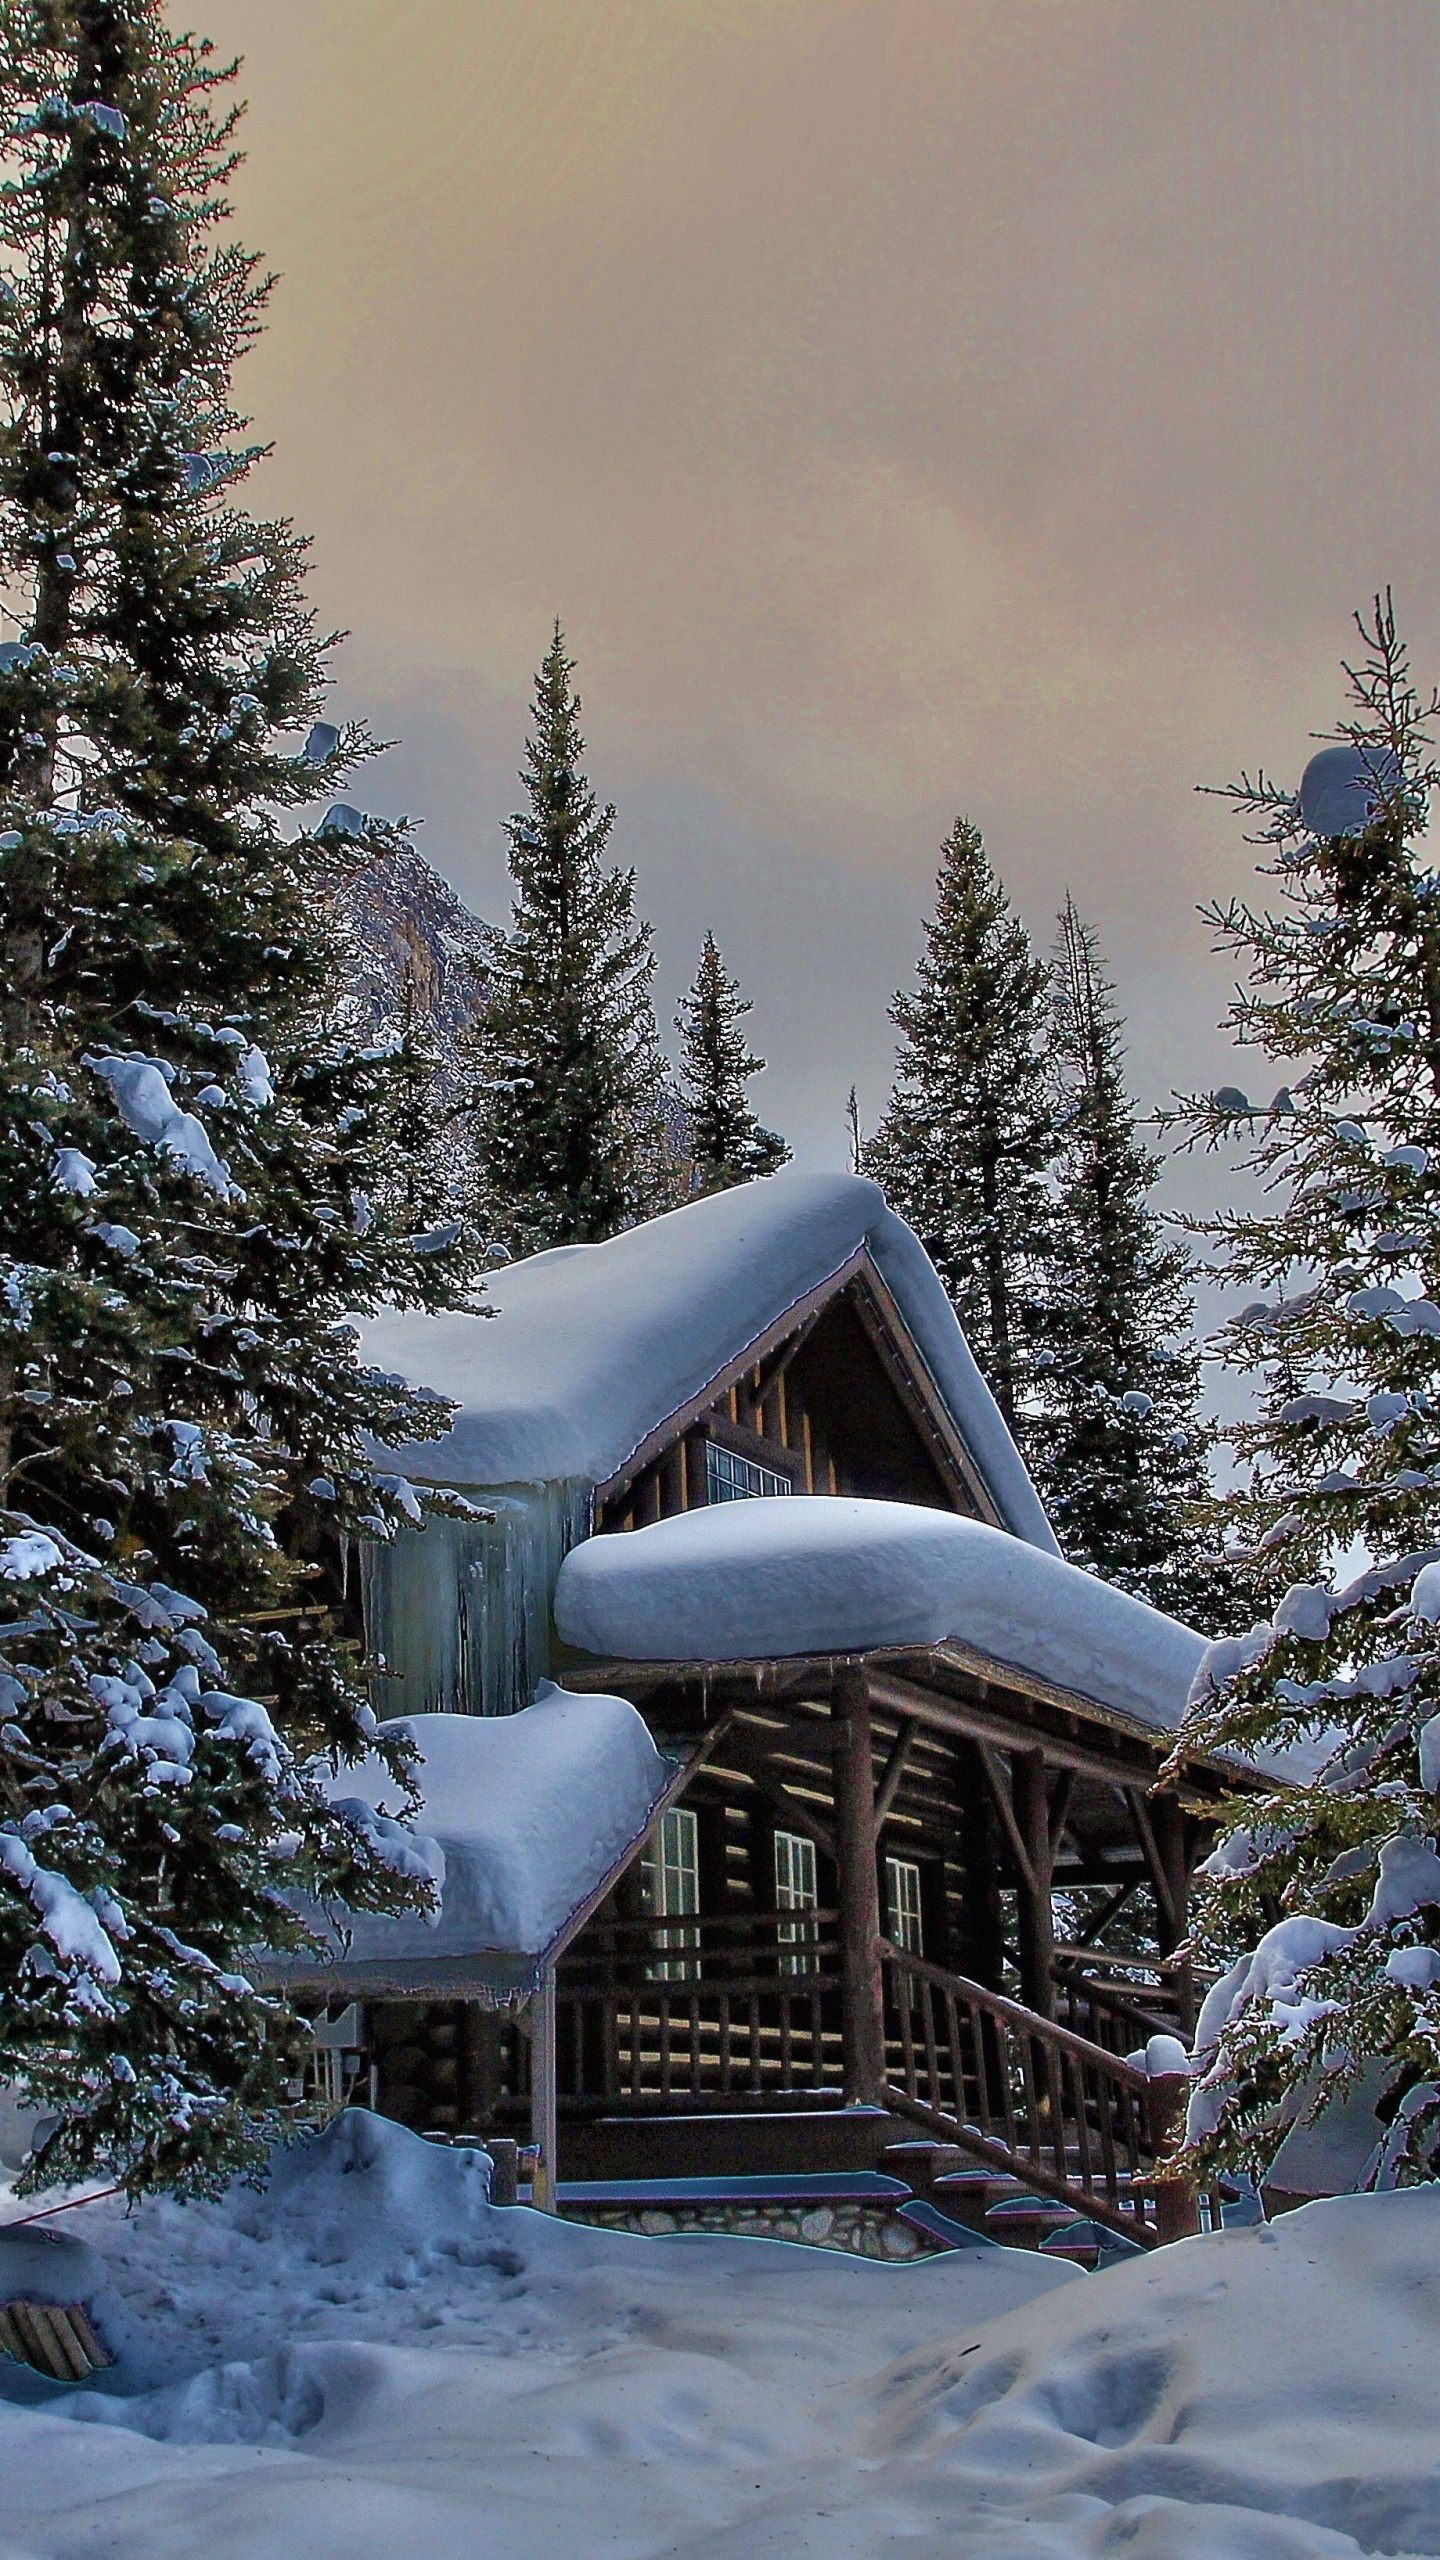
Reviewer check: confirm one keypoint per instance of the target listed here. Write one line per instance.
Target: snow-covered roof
(753, 1581)
(593, 1347)
(521, 1819)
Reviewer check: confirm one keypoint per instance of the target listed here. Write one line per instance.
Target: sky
(910, 407)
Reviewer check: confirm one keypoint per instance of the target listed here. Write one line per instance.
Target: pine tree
(187, 1158)
(570, 1125)
(418, 1132)
(1335, 1875)
(1118, 1448)
(727, 1143)
(962, 1149)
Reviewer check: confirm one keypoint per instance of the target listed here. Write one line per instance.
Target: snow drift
(368, 2358)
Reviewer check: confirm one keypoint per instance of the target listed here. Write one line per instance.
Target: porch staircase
(1036, 2112)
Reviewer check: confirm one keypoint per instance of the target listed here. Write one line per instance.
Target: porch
(710, 2017)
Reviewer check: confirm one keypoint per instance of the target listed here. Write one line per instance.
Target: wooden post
(1036, 1929)
(1177, 2206)
(1168, 1825)
(862, 1994)
(982, 1948)
(542, 2092)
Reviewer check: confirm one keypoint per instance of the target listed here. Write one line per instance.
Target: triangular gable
(596, 1353)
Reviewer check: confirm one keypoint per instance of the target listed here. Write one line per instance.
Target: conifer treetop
(1117, 1444)
(963, 1145)
(727, 1143)
(570, 1103)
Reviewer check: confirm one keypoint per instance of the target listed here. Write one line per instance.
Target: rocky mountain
(414, 950)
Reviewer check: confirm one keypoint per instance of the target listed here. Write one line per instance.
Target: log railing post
(1177, 2204)
(862, 1994)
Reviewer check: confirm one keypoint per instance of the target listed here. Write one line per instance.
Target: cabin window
(671, 1871)
(795, 1890)
(902, 1905)
(731, 1478)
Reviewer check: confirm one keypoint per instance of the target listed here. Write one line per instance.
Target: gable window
(670, 1869)
(731, 1478)
(795, 1890)
(902, 1905)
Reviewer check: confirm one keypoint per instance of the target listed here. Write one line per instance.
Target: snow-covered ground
(367, 2360)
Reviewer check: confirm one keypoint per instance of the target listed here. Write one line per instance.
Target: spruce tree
(1118, 1448)
(1332, 1881)
(569, 1106)
(419, 1148)
(187, 1158)
(962, 1149)
(727, 1142)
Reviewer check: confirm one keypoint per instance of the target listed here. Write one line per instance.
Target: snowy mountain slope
(410, 940)
(368, 2360)
(403, 921)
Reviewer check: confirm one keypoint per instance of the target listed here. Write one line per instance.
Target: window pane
(731, 1478)
(902, 1900)
(795, 1890)
(670, 1868)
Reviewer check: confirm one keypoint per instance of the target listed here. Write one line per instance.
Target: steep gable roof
(594, 1347)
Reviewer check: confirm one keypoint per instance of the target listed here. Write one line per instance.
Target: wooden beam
(1035, 1917)
(898, 1687)
(935, 1425)
(995, 1779)
(981, 1720)
(1171, 1920)
(543, 2109)
(895, 1768)
(862, 1993)
(1060, 1795)
(1102, 1918)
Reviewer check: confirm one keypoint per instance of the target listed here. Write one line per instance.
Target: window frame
(675, 1953)
(896, 1907)
(796, 1936)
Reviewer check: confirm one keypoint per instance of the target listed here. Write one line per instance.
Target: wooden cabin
(917, 1875)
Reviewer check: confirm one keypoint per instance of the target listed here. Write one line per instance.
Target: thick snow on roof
(747, 1581)
(521, 1816)
(594, 1345)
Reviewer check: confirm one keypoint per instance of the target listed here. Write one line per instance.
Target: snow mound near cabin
(368, 2358)
(834, 1574)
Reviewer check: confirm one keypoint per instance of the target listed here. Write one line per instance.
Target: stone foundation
(864, 2230)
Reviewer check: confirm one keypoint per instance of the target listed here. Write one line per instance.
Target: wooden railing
(1121, 2016)
(741, 2010)
(1030, 2099)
